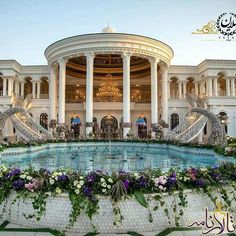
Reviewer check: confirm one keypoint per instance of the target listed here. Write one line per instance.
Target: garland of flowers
(83, 189)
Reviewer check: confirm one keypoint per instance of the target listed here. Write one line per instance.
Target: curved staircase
(186, 131)
(26, 127)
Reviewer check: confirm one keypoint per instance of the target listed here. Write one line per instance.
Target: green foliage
(140, 198)
(118, 191)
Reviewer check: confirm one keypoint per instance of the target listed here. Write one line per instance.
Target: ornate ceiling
(108, 63)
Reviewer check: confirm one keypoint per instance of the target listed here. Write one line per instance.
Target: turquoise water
(118, 158)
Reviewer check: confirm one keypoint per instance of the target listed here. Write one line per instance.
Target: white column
(17, 84)
(164, 95)
(62, 91)
(126, 92)
(233, 87)
(34, 89)
(168, 86)
(196, 88)
(154, 91)
(22, 85)
(216, 86)
(10, 85)
(209, 85)
(38, 89)
(227, 86)
(180, 89)
(184, 89)
(89, 91)
(4, 86)
(53, 91)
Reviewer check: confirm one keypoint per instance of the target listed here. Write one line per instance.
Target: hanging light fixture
(109, 89)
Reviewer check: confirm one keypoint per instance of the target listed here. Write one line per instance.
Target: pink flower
(33, 185)
(162, 180)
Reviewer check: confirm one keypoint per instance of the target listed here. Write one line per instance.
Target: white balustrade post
(180, 89)
(33, 89)
(216, 86)
(22, 88)
(184, 89)
(89, 92)
(53, 91)
(10, 85)
(154, 92)
(4, 86)
(227, 87)
(126, 93)
(164, 95)
(38, 89)
(62, 86)
(196, 88)
(233, 87)
(209, 81)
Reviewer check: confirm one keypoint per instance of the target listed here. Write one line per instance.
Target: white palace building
(116, 80)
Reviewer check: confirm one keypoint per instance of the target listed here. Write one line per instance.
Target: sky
(27, 27)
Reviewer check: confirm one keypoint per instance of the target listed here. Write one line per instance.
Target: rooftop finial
(108, 29)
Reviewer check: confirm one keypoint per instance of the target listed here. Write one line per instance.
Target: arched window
(174, 120)
(141, 122)
(223, 119)
(44, 120)
(27, 86)
(75, 122)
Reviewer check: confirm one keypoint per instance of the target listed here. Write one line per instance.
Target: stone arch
(44, 86)
(190, 86)
(43, 120)
(174, 120)
(27, 86)
(174, 87)
(217, 136)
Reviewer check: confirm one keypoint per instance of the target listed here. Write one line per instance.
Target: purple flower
(171, 181)
(200, 182)
(215, 176)
(63, 178)
(18, 184)
(14, 172)
(87, 191)
(91, 178)
(142, 182)
(126, 183)
(122, 173)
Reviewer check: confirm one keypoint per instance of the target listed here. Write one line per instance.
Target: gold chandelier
(136, 95)
(109, 89)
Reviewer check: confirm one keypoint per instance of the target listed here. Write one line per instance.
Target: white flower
(136, 175)
(110, 180)
(58, 190)
(60, 173)
(54, 174)
(104, 184)
(81, 182)
(77, 191)
(104, 190)
(76, 182)
(29, 177)
(109, 186)
(23, 176)
(51, 181)
(102, 180)
(78, 186)
(81, 177)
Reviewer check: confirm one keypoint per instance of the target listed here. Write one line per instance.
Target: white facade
(77, 65)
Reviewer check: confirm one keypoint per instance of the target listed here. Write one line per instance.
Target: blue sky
(29, 26)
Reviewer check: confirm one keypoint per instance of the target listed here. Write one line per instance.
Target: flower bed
(149, 200)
